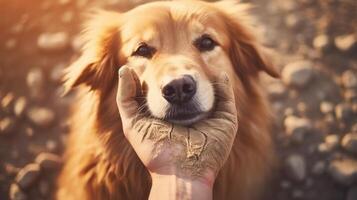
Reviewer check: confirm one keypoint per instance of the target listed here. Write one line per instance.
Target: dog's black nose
(179, 90)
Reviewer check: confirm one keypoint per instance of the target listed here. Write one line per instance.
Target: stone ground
(315, 101)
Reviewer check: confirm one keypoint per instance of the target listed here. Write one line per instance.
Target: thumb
(128, 88)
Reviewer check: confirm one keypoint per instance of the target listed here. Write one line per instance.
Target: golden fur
(100, 163)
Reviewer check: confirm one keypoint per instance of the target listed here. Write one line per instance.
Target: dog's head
(176, 48)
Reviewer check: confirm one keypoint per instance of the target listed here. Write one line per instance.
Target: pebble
(343, 171)
(35, 82)
(57, 73)
(319, 168)
(288, 5)
(345, 43)
(44, 188)
(276, 90)
(309, 182)
(298, 74)
(354, 107)
(297, 194)
(48, 161)
(349, 142)
(326, 107)
(28, 175)
(349, 79)
(293, 94)
(296, 167)
(7, 125)
(323, 93)
(289, 111)
(292, 21)
(297, 127)
(10, 169)
(40, 116)
(16, 193)
(2, 177)
(285, 184)
(354, 128)
(20, 106)
(330, 121)
(321, 42)
(14, 153)
(352, 193)
(7, 102)
(301, 107)
(332, 140)
(53, 41)
(35, 78)
(350, 95)
(29, 131)
(11, 43)
(343, 111)
(17, 28)
(324, 148)
(64, 125)
(278, 107)
(51, 145)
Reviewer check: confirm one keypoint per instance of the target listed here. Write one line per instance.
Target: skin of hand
(196, 152)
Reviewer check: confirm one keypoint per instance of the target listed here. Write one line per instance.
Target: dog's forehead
(169, 14)
(155, 20)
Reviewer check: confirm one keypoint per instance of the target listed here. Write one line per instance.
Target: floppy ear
(99, 60)
(245, 52)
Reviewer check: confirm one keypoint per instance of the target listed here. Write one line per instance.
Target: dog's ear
(245, 52)
(98, 62)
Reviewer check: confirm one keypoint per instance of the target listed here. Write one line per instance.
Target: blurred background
(315, 101)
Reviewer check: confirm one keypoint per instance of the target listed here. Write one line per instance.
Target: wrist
(207, 177)
(172, 186)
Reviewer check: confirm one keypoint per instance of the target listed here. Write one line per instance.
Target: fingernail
(122, 71)
(119, 73)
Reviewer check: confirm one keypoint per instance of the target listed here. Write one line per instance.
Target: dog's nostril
(188, 88)
(168, 91)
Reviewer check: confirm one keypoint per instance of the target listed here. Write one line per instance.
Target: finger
(127, 93)
(225, 100)
(137, 83)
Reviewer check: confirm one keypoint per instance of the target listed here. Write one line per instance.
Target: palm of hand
(167, 148)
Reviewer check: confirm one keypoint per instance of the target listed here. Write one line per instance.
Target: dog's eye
(205, 43)
(144, 50)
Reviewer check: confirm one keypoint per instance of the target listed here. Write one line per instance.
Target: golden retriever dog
(175, 47)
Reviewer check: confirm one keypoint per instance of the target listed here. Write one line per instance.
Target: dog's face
(175, 51)
(176, 48)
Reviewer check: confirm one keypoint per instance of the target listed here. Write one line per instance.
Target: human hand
(197, 151)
